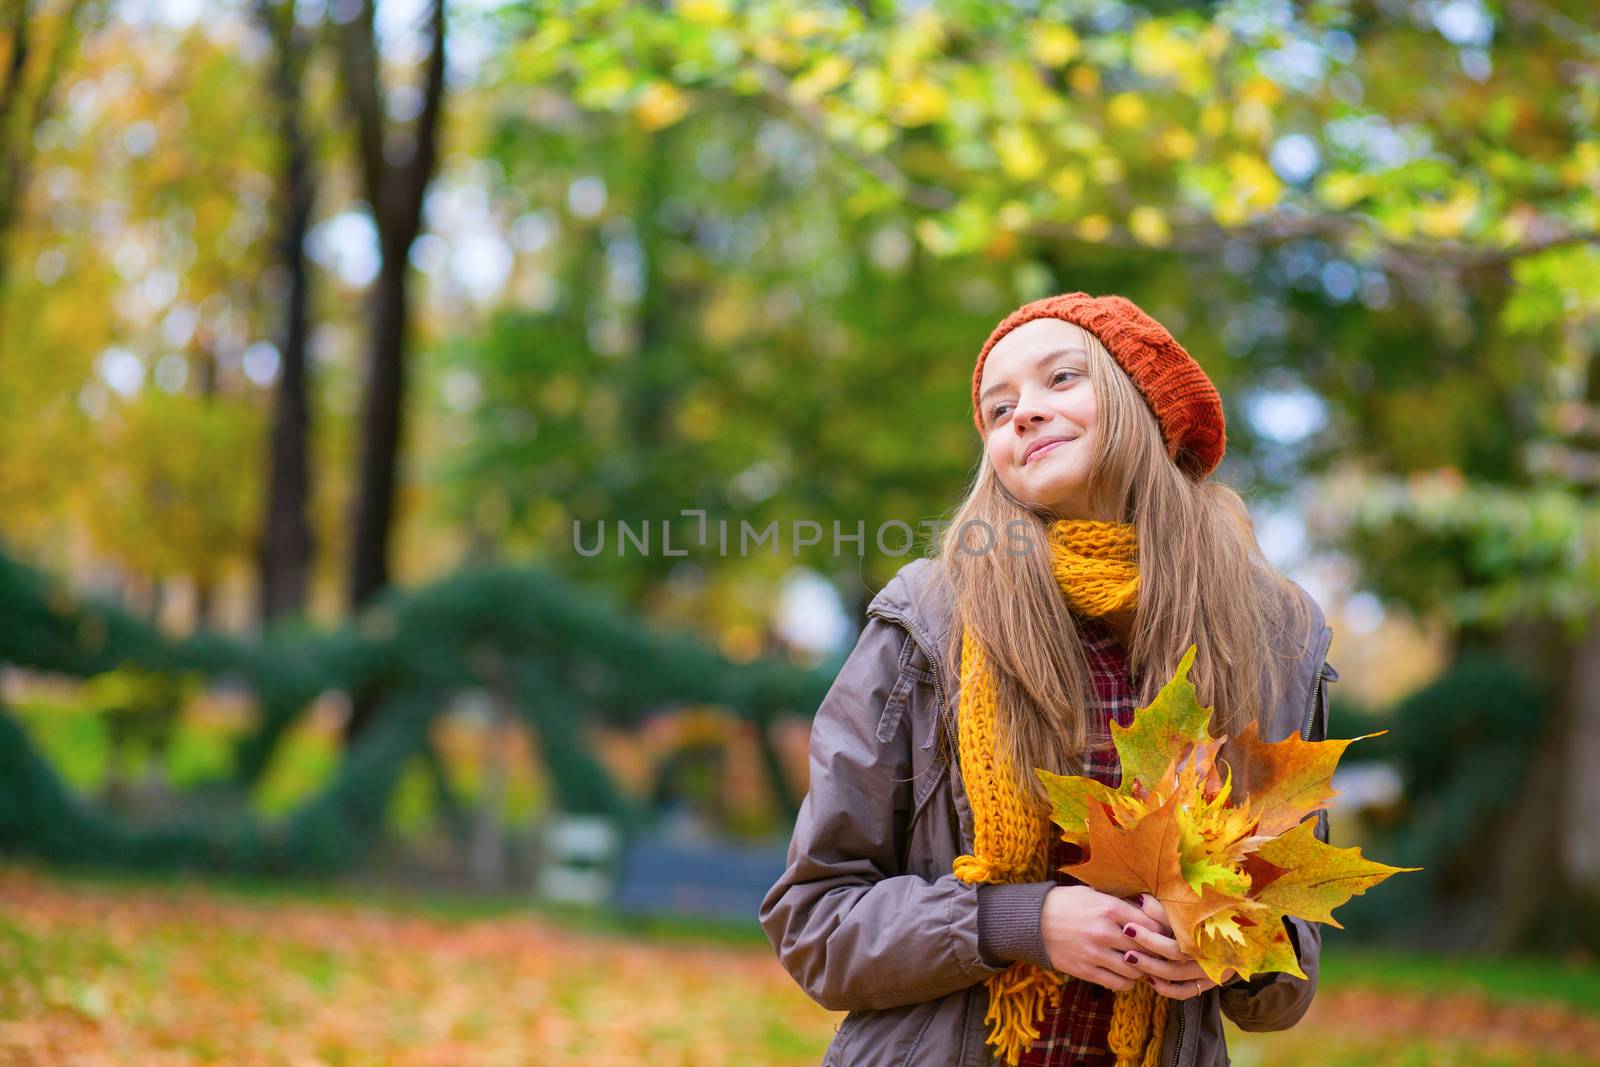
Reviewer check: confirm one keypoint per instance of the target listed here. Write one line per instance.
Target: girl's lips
(1051, 447)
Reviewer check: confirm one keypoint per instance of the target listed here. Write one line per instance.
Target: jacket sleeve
(1277, 1000)
(851, 928)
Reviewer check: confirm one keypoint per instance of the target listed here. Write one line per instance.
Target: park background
(322, 326)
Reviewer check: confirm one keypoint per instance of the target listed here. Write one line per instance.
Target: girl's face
(1040, 416)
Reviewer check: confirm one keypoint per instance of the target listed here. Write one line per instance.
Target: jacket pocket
(894, 708)
(896, 1037)
(841, 1038)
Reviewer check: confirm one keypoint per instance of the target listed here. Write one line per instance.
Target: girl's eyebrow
(1052, 354)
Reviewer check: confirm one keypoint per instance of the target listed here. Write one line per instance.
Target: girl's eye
(1055, 376)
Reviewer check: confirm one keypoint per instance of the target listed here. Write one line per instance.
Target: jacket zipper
(933, 662)
(1177, 1047)
(1316, 686)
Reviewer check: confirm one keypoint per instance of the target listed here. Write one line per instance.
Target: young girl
(924, 893)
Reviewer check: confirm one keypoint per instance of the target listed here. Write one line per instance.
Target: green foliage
(565, 656)
(1464, 745)
(1484, 555)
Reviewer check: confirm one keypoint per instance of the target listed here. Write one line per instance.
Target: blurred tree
(286, 542)
(397, 162)
(40, 40)
(396, 166)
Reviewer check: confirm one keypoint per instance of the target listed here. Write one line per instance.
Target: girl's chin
(1053, 489)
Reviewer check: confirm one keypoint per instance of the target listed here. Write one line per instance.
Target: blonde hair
(1203, 580)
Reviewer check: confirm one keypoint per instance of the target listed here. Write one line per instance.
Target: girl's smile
(1039, 449)
(1040, 416)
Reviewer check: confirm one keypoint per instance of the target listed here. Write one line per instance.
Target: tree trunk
(1580, 804)
(26, 97)
(286, 543)
(381, 410)
(395, 177)
(1541, 890)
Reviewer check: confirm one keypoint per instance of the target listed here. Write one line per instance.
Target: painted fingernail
(1128, 929)
(1150, 979)
(1130, 957)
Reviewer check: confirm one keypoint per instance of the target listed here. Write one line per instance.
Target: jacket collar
(920, 599)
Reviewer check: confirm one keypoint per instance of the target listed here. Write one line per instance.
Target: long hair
(1203, 580)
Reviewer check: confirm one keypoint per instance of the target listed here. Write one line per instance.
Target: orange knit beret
(1185, 403)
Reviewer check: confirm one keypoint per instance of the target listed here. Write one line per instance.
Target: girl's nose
(1028, 412)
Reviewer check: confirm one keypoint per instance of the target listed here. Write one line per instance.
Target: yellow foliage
(1067, 183)
(1448, 218)
(1583, 168)
(696, 417)
(1002, 246)
(911, 45)
(705, 12)
(1252, 118)
(660, 105)
(1160, 51)
(605, 88)
(1107, 169)
(174, 499)
(1127, 109)
(920, 101)
(1149, 226)
(1054, 45)
(1340, 189)
(1178, 143)
(1215, 39)
(1093, 228)
(935, 237)
(1020, 154)
(1014, 215)
(1260, 89)
(824, 77)
(802, 23)
(1252, 189)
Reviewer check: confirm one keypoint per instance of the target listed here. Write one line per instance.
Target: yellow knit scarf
(1096, 565)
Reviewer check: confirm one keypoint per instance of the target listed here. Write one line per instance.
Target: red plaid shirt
(1075, 1032)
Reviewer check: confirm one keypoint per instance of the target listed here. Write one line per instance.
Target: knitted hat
(1185, 403)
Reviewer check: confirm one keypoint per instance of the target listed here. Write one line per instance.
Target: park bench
(707, 880)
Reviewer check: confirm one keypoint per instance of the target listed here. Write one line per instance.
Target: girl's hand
(1172, 972)
(1084, 932)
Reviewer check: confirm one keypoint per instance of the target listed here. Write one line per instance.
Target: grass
(1574, 983)
(142, 970)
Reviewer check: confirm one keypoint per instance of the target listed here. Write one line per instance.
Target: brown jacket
(868, 917)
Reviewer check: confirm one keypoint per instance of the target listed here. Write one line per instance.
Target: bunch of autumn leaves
(1226, 853)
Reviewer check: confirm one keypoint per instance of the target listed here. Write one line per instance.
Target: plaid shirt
(1074, 1033)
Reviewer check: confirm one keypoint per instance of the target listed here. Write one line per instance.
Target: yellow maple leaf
(1229, 854)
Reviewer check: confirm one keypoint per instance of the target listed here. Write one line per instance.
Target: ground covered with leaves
(94, 971)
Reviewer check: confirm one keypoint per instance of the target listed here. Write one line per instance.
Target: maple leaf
(1144, 857)
(1316, 877)
(1229, 854)
(1173, 721)
(1164, 730)
(1286, 780)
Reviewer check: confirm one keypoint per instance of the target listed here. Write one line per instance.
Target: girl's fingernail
(1128, 930)
(1130, 957)
(1150, 979)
